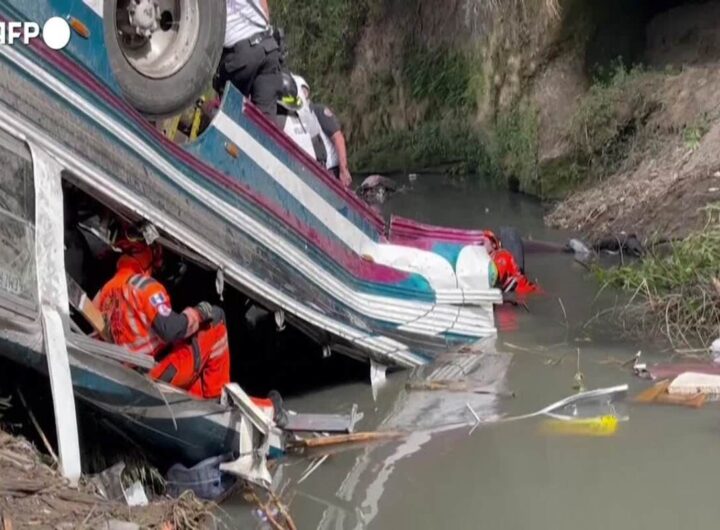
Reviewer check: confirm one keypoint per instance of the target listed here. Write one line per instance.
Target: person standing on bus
(251, 55)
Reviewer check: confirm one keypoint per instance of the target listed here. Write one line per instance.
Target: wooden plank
(359, 437)
(651, 394)
(696, 401)
(81, 302)
(658, 394)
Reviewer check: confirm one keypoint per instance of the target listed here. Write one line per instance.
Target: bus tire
(187, 57)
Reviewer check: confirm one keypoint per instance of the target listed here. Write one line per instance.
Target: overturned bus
(257, 222)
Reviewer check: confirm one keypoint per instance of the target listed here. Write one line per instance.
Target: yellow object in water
(597, 426)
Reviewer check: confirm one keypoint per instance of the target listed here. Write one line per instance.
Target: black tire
(160, 98)
(510, 240)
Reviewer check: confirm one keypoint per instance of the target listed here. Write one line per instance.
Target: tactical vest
(333, 160)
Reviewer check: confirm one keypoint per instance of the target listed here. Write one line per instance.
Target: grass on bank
(453, 145)
(514, 148)
(610, 119)
(675, 292)
(403, 119)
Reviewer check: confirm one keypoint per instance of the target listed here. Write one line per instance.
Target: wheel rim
(171, 42)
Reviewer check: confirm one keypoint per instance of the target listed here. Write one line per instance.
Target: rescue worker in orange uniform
(510, 278)
(191, 347)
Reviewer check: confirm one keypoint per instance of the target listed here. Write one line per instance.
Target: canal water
(658, 471)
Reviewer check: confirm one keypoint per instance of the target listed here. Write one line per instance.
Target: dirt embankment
(671, 170)
(618, 99)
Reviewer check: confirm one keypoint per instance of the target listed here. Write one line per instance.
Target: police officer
(331, 134)
(251, 54)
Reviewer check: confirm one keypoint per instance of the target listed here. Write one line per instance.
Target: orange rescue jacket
(130, 302)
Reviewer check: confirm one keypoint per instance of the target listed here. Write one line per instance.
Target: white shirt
(243, 21)
(295, 129)
(333, 159)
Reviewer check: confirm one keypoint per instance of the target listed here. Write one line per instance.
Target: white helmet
(301, 81)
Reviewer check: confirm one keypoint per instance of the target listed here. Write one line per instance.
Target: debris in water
(376, 188)
(454, 386)
(579, 378)
(610, 394)
(358, 437)
(272, 511)
(315, 464)
(672, 370)
(692, 383)
(472, 411)
(597, 426)
(658, 393)
(632, 361)
(579, 248)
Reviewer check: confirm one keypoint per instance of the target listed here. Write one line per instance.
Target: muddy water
(658, 471)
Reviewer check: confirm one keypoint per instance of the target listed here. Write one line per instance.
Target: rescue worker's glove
(210, 313)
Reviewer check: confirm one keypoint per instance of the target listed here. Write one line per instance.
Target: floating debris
(579, 377)
(455, 386)
(608, 395)
(692, 383)
(597, 426)
(358, 437)
(658, 393)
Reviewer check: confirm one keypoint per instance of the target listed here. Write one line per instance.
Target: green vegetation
(609, 121)
(450, 143)
(433, 104)
(609, 127)
(322, 35)
(515, 147)
(675, 292)
(694, 133)
(440, 76)
(439, 84)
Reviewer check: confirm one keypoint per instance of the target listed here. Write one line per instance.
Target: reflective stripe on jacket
(130, 302)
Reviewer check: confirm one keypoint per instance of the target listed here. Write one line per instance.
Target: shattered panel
(17, 231)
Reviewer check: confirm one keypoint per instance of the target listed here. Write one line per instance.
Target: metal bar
(54, 305)
(109, 351)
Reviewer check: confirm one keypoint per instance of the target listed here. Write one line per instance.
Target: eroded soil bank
(669, 167)
(610, 107)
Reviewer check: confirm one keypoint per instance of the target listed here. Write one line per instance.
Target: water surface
(658, 472)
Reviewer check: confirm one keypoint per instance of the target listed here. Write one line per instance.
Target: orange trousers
(200, 364)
